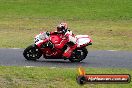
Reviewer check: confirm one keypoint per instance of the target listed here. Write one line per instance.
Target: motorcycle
(44, 44)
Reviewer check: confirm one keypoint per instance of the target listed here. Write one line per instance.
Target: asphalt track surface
(99, 58)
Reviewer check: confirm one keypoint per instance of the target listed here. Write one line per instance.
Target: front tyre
(78, 55)
(32, 52)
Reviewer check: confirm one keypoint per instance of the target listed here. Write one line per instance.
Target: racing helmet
(62, 28)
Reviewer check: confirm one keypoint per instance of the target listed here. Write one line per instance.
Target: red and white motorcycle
(44, 44)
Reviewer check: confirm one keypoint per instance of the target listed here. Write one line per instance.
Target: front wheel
(78, 55)
(32, 53)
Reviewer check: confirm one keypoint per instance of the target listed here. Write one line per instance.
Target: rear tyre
(78, 55)
(32, 53)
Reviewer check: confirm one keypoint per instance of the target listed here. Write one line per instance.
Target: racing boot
(67, 53)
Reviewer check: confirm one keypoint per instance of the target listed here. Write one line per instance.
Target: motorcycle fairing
(82, 40)
(51, 53)
(55, 39)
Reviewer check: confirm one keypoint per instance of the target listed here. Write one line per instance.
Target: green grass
(108, 22)
(67, 9)
(46, 77)
(106, 35)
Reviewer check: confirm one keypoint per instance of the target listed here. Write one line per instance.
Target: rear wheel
(32, 53)
(78, 55)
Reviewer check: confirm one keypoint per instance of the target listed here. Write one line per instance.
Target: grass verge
(46, 77)
(108, 22)
(106, 35)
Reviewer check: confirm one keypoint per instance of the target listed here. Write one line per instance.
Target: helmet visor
(59, 28)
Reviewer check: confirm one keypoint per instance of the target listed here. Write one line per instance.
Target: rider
(67, 36)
